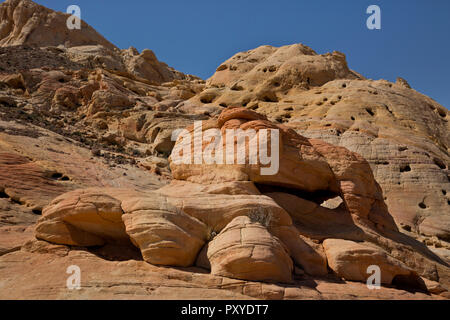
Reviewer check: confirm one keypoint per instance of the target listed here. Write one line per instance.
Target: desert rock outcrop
(25, 22)
(246, 250)
(403, 135)
(88, 174)
(351, 260)
(252, 236)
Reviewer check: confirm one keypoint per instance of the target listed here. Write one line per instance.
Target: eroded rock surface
(403, 135)
(250, 232)
(246, 250)
(351, 260)
(85, 137)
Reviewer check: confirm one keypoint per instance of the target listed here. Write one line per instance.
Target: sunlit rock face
(88, 174)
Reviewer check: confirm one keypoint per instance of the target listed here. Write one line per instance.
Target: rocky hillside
(25, 23)
(86, 176)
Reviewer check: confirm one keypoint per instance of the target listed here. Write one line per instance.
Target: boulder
(299, 165)
(246, 250)
(87, 217)
(351, 260)
(164, 233)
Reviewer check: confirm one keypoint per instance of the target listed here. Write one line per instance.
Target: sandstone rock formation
(85, 137)
(403, 134)
(25, 22)
(246, 250)
(305, 165)
(350, 260)
(165, 234)
(252, 235)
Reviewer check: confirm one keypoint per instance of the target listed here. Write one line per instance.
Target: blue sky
(196, 36)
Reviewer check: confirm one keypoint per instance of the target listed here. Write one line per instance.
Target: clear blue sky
(196, 36)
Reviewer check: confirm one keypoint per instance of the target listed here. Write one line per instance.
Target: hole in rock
(37, 212)
(442, 113)
(344, 85)
(439, 163)
(444, 192)
(3, 194)
(402, 148)
(268, 98)
(353, 118)
(318, 197)
(332, 203)
(389, 110)
(56, 175)
(410, 283)
(117, 252)
(223, 104)
(370, 111)
(289, 109)
(405, 168)
(406, 227)
(422, 205)
(207, 99)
